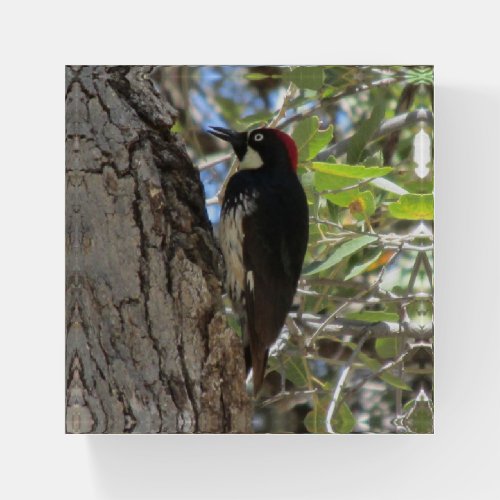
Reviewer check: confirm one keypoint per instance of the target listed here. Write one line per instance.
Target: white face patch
(251, 160)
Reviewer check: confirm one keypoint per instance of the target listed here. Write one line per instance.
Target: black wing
(274, 245)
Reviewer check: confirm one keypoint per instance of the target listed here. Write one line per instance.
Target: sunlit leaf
(360, 203)
(373, 316)
(328, 91)
(340, 252)
(420, 75)
(306, 77)
(421, 186)
(324, 182)
(260, 76)
(386, 348)
(364, 132)
(309, 139)
(413, 207)
(350, 171)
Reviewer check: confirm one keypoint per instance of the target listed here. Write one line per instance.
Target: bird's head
(263, 146)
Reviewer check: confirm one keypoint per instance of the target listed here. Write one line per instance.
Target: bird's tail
(257, 360)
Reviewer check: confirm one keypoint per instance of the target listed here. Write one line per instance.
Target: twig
(292, 395)
(403, 328)
(370, 300)
(347, 188)
(381, 329)
(414, 272)
(282, 110)
(427, 267)
(333, 407)
(357, 296)
(388, 366)
(353, 89)
(215, 161)
(386, 127)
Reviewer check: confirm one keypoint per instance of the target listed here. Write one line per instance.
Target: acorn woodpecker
(263, 233)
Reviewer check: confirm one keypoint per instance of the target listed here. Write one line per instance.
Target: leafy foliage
(339, 253)
(309, 139)
(413, 207)
(368, 268)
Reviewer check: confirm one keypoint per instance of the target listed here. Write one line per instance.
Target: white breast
(231, 238)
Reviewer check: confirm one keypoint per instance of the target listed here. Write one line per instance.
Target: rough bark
(146, 348)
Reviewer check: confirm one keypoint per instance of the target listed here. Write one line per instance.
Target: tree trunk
(147, 349)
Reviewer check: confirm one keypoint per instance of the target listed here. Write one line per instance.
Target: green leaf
(361, 203)
(324, 182)
(315, 421)
(419, 414)
(344, 421)
(373, 316)
(420, 186)
(375, 160)
(420, 76)
(309, 139)
(295, 371)
(387, 377)
(260, 117)
(256, 76)
(328, 92)
(413, 207)
(364, 133)
(293, 367)
(340, 252)
(386, 348)
(306, 77)
(350, 171)
(360, 268)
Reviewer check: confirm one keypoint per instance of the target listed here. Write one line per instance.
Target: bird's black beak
(237, 139)
(227, 134)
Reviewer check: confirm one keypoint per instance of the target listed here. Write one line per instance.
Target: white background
(461, 460)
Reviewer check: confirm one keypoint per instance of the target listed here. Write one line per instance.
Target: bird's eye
(258, 137)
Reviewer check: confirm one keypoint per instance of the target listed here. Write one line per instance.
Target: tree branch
(342, 378)
(387, 127)
(355, 328)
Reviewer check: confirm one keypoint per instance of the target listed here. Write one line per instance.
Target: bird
(264, 230)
